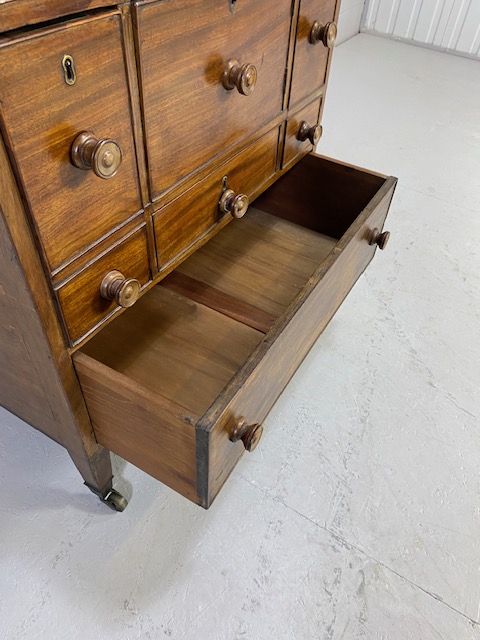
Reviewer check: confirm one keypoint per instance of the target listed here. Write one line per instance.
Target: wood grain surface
(225, 303)
(321, 194)
(293, 147)
(18, 13)
(195, 213)
(144, 428)
(255, 388)
(310, 61)
(175, 347)
(184, 47)
(38, 381)
(82, 305)
(150, 374)
(261, 260)
(71, 208)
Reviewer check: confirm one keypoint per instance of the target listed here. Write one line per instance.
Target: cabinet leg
(97, 473)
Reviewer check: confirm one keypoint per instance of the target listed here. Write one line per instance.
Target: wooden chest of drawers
(144, 311)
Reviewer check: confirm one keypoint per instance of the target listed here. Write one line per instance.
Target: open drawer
(180, 383)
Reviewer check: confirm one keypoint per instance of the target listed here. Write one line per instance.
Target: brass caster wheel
(115, 501)
(109, 496)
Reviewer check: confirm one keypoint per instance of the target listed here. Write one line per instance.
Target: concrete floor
(359, 514)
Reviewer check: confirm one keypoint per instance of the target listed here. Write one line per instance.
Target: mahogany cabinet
(171, 248)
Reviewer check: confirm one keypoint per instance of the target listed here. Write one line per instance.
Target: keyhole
(232, 5)
(69, 70)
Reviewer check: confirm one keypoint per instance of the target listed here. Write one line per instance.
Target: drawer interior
(175, 347)
(253, 269)
(211, 347)
(322, 194)
(189, 335)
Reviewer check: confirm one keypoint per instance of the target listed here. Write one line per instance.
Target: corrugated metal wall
(451, 25)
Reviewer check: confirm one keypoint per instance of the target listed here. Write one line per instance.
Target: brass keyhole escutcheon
(69, 70)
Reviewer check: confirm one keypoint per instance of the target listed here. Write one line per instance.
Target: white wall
(449, 25)
(349, 19)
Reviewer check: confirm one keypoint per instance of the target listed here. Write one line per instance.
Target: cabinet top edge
(15, 14)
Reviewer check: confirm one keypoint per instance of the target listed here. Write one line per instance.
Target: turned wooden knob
(249, 434)
(242, 77)
(325, 33)
(125, 291)
(236, 205)
(380, 239)
(103, 156)
(307, 132)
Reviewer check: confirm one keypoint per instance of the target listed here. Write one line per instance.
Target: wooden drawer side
(149, 431)
(254, 390)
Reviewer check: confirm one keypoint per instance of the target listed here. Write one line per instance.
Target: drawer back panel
(42, 115)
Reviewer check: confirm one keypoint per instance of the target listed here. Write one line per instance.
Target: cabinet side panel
(37, 379)
(21, 390)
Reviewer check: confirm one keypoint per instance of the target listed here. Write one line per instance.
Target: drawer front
(311, 60)
(185, 46)
(252, 393)
(186, 220)
(302, 132)
(72, 207)
(80, 298)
